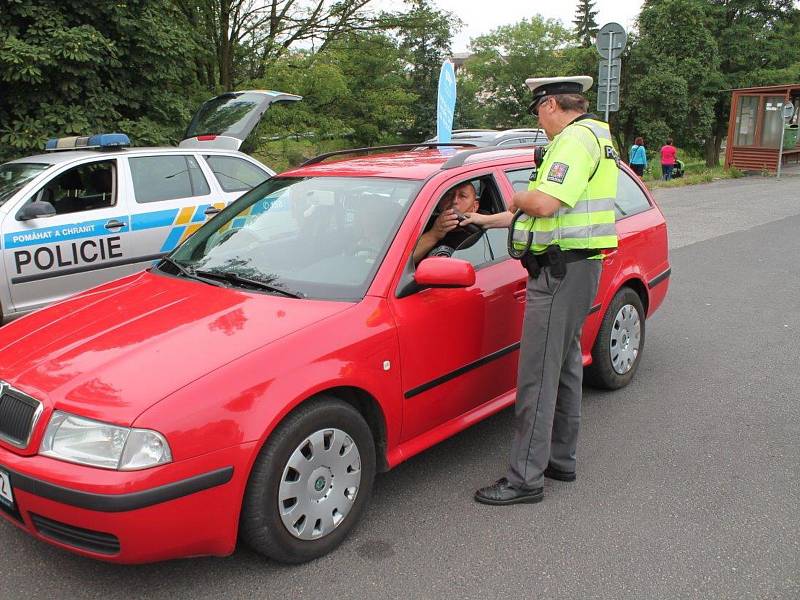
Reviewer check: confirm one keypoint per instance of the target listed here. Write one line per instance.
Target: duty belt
(555, 258)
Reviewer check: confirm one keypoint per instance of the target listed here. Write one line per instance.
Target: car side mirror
(444, 273)
(36, 210)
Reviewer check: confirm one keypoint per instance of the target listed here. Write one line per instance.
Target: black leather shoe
(502, 492)
(553, 473)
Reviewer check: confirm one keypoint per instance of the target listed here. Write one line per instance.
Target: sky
(481, 16)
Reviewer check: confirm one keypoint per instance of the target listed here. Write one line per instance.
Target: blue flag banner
(446, 104)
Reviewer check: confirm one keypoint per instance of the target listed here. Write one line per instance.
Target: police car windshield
(15, 175)
(319, 237)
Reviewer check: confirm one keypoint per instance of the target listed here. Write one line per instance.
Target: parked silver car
(494, 137)
(93, 209)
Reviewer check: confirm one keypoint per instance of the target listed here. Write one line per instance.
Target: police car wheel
(310, 482)
(619, 344)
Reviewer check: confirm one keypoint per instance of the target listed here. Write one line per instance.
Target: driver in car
(461, 198)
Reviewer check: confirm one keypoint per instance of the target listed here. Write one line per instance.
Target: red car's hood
(112, 352)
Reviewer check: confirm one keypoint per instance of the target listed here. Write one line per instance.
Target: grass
(695, 171)
(283, 154)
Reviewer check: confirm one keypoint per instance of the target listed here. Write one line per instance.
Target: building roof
(768, 88)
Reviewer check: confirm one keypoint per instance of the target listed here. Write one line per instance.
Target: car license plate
(6, 495)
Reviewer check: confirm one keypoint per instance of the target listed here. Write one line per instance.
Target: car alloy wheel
(625, 339)
(320, 483)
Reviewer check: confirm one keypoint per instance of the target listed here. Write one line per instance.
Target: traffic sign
(608, 100)
(610, 71)
(611, 40)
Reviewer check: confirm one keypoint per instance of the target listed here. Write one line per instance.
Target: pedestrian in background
(668, 157)
(638, 157)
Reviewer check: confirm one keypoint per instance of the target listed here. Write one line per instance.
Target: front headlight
(88, 442)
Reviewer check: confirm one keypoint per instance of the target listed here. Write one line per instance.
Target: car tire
(294, 515)
(619, 344)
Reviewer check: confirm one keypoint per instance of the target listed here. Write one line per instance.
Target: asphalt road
(688, 486)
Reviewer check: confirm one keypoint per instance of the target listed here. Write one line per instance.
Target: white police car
(93, 209)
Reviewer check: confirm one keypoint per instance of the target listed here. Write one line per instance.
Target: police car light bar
(102, 140)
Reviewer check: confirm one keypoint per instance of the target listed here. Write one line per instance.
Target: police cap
(552, 86)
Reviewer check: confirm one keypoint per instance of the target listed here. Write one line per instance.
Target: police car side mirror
(36, 210)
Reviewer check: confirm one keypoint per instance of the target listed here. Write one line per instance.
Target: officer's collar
(583, 117)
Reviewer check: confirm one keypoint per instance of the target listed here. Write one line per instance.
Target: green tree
(247, 36)
(425, 34)
(690, 53)
(355, 88)
(504, 58)
(585, 25)
(759, 44)
(670, 77)
(74, 67)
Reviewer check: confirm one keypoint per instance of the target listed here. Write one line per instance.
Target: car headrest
(71, 180)
(100, 180)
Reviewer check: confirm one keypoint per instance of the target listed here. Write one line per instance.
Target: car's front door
(85, 243)
(459, 346)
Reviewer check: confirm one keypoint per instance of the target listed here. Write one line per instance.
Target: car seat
(101, 184)
(68, 187)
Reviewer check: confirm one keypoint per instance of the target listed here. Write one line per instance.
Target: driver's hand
(476, 218)
(444, 223)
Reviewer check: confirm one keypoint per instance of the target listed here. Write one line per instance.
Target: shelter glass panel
(746, 120)
(773, 121)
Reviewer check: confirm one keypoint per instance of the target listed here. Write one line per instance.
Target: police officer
(565, 218)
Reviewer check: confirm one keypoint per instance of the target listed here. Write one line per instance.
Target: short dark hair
(639, 141)
(572, 102)
(669, 141)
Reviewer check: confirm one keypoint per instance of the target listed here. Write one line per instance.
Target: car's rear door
(459, 346)
(170, 197)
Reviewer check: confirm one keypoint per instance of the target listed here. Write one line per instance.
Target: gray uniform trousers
(548, 407)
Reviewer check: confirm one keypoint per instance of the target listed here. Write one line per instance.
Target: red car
(253, 382)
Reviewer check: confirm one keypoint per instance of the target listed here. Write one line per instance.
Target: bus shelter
(754, 128)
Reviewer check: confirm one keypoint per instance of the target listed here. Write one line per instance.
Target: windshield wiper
(254, 283)
(187, 272)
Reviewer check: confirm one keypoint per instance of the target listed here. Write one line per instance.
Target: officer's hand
(476, 218)
(444, 223)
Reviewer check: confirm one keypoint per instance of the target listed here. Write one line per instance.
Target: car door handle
(211, 211)
(521, 294)
(114, 224)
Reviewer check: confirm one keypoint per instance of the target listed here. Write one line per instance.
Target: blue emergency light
(102, 140)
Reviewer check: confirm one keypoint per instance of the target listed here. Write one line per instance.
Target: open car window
(477, 250)
(85, 187)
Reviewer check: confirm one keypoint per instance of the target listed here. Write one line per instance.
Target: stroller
(677, 170)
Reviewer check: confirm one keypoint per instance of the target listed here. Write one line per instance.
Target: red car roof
(413, 164)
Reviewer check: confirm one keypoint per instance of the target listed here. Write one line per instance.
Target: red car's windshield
(321, 237)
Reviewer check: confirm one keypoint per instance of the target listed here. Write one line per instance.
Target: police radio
(538, 159)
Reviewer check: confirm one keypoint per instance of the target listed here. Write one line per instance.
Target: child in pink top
(669, 154)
